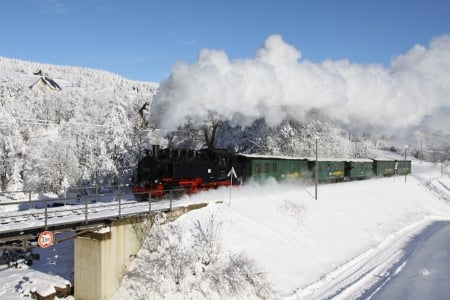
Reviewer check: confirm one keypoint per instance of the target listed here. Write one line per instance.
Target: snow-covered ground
(335, 246)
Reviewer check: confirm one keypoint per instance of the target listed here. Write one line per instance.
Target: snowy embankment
(331, 247)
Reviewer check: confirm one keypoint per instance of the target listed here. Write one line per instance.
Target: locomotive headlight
(156, 181)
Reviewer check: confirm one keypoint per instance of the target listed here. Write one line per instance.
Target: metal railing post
(149, 202)
(45, 212)
(29, 199)
(120, 208)
(86, 210)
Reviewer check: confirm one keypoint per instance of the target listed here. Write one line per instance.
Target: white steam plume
(277, 85)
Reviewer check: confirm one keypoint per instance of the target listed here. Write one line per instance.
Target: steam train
(181, 170)
(188, 171)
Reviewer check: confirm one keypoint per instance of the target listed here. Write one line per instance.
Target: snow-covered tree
(94, 113)
(11, 151)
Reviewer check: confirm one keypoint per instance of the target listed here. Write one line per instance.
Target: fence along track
(75, 213)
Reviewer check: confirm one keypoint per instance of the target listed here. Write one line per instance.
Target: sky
(142, 40)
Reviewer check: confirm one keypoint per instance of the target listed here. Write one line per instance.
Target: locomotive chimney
(155, 150)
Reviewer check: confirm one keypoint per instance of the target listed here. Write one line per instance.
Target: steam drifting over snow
(276, 84)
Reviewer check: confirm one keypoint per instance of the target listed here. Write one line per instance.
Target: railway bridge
(107, 231)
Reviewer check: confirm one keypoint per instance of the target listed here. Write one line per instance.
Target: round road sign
(46, 239)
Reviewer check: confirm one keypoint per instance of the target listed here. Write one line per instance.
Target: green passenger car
(403, 167)
(260, 167)
(384, 167)
(329, 169)
(358, 168)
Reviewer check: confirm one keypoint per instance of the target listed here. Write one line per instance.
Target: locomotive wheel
(141, 197)
(174, 193)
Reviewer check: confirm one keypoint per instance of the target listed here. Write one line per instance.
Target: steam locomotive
(184, 171)
(188, 171)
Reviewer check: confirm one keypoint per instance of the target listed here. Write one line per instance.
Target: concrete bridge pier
(101, 258)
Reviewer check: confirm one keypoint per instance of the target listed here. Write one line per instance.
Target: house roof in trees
(47, 82)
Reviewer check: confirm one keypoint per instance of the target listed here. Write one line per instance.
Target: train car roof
(346, 159)
(261, 156)
(358, 159)
(391, 159)
(383, 159)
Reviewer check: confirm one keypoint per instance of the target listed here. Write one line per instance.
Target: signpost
(231, 174)
(46, 239)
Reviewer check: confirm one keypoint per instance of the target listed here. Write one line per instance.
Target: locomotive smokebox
(155, 150)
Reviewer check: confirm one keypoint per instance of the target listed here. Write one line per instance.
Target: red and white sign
(46, 239)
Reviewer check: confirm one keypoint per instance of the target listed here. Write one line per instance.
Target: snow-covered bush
(241, 275)
(188, 261)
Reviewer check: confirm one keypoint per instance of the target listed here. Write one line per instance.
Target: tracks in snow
(362, 276)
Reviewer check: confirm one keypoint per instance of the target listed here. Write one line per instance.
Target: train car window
(267, 168)
(225, 161)
(257, 168)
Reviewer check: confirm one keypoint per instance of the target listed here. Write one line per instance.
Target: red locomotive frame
(186, 185)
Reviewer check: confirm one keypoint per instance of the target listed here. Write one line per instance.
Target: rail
(25, 215)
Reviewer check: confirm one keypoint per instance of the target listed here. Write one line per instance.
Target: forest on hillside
(87, 132)
(96, 127)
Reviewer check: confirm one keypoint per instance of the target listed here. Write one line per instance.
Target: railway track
(22, 220)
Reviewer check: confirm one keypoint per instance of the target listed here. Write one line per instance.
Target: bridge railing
(89, 208)
(98, 189)
(18, 195)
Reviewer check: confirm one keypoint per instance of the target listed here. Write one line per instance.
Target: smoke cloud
(277, 85)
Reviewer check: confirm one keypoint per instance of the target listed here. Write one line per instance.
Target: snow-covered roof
(260, 156)
(358, 159)
(50, 83)
(383, 159)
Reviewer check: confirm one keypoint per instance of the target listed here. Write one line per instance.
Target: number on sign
(45, 239)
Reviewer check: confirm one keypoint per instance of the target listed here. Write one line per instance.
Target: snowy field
(333, 247)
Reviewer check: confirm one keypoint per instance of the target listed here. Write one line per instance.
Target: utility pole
(317, 170)
(421, 151)
(406, 147)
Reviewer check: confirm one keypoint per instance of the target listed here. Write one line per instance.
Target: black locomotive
(186, 171)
